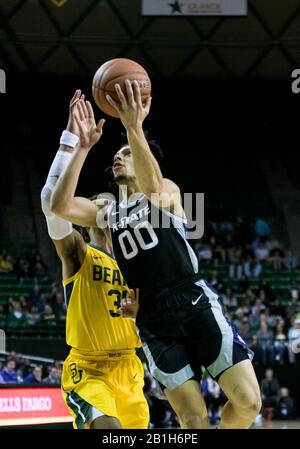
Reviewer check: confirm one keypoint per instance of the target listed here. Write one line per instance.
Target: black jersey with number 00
(150, 246)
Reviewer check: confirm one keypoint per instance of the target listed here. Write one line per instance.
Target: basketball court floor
(278, 425)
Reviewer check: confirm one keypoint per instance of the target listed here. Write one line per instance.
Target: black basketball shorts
(186, 331)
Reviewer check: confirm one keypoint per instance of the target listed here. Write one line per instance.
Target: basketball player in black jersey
(180, 319)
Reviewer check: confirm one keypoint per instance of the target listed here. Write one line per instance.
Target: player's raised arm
(69, 244)
(78, 210)
(132, 114)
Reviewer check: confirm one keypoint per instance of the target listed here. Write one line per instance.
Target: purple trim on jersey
(236, 337)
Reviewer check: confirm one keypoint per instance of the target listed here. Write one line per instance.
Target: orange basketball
(116, 71)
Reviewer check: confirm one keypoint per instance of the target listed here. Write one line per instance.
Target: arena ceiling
(37, 36)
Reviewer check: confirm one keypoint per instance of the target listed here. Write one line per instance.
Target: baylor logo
(75, 373)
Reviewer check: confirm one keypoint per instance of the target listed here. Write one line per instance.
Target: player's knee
(194, 420)
(257, 404)
(249, 402)
(253, 406)
(105, 422)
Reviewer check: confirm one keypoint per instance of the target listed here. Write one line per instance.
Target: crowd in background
(28, 267)
(245, 246)
(16, 369)
(276, 399)
(35, 307)
(245, 250)
(267, 325)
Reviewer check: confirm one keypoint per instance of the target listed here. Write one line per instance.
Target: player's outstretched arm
(132, 113)
(69, 244)
(78, 210)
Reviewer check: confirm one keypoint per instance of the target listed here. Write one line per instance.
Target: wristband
(69, 139)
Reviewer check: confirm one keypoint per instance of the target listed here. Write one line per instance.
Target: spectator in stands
(244, 286)
(265, 340)
(249, 295)
(293, 335)
(285, 408)
(40, 273)
(25, 367)
(238, 316)
(254, 346)
(273, 243)
(6, 265)
(53, 377)
(33, 317)
(280, 343)
(36, 258)
(269, 392)
(252, 269)
(276, 260)
(262, 296)
(23, 270)
(37, 298)
(35, 377)
(245, 331)
(218, 253)
(226, 225)
(265, 316)
(262, 228)
(235, 262)
(9, 373)
(214, 399)
(255, 316)
(292, 310)
(290, 262)
(48, 316)
(266, 288)
(161, 414)
(21, 363)
(205, 254)
(229, 299)
(215, 280)
(12, 355)
(16, 318)
(294, 292)
(58, 365)
(262, 251)
(59, 306)
(25, 305)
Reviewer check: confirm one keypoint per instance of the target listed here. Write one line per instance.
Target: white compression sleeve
(58, 228)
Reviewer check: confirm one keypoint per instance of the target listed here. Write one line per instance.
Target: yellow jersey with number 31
(93, 296)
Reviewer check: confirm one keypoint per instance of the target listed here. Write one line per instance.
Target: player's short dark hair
(154, 147)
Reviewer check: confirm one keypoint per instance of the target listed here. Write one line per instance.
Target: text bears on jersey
(108, 275)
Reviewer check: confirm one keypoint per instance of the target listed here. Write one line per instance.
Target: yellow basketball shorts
(112, 383)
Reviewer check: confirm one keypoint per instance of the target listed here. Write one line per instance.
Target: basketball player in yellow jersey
(102, 379)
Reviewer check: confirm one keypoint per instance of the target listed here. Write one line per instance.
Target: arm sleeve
(58, 228)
